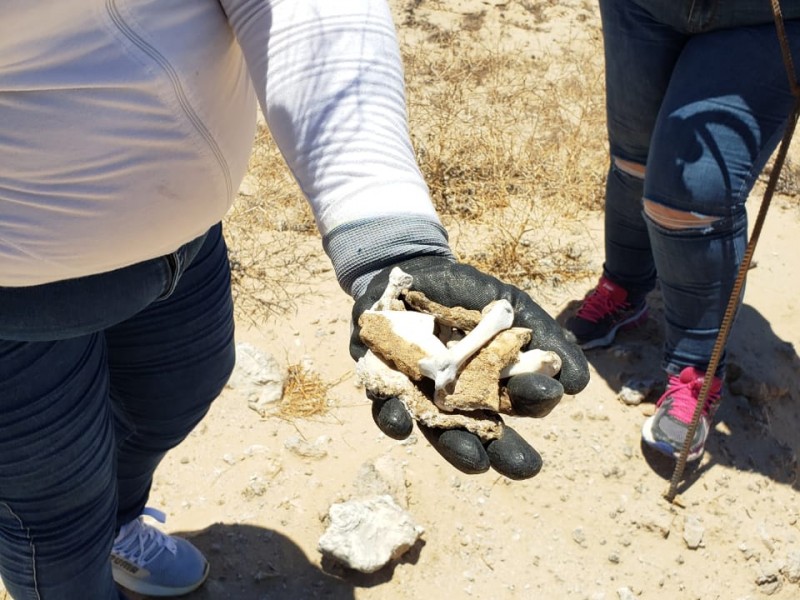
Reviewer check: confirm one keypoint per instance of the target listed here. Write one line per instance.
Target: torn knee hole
(629, 167)
(671, 218)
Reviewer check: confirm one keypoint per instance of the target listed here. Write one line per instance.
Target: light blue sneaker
(149, 562)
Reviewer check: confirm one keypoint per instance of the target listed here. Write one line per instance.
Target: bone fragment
(444, 367)
(399, 281)
(465, 352)
(401, 338)
(546, 362)
(456, 316)
(384, 381)
(477, 386)
(532, 361)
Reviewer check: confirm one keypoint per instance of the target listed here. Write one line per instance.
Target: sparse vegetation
(507, 143)
(304, 395)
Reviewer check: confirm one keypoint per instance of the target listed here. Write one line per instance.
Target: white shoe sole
(146, 588)
(662, 447)
(608, 339)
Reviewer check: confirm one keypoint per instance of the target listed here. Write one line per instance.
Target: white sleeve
(329, 79)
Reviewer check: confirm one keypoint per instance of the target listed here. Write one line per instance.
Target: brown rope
(736, 292)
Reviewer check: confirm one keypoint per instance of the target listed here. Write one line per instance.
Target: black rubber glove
(455, 284)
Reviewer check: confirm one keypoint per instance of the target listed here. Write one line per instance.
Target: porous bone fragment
(478, 387)
(400, 338)
(385, 382)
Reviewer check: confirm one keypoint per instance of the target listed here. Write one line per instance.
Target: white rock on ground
(693, 531)
(258, 377)
(792, 567)
(365, 534)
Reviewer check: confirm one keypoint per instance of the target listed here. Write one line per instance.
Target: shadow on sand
(253, 563)
(757, 427)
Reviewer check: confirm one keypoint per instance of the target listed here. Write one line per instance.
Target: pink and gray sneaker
(666, 430)
(604, 311)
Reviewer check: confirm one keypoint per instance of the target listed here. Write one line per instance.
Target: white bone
(546, 362)
(444, 366)
(415, 328)
(399, 280)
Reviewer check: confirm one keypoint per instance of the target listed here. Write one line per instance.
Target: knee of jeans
(629, 167)
(679, 220)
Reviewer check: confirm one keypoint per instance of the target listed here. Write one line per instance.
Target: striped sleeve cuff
(359, 249)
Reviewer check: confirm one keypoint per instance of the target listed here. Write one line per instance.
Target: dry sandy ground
(592, 525)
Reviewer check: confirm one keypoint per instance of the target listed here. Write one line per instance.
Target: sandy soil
(592, 525)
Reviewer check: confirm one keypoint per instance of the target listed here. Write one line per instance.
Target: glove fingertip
(534, 394)
(392, 418)
(512, 456)
(460, 448)
(574, 376)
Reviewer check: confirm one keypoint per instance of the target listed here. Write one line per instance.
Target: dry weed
(305, 394)
(489, 125)
(510, 146)
(788, 182)
(518, 246)
(506, 143)
(273, 244)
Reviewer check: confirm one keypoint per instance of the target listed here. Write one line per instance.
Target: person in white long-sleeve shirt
(125, 130)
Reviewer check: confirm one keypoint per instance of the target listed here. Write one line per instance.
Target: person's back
(125, 127)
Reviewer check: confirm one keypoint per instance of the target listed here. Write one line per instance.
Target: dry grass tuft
(788, 181)
(509, 144)
(305, 394)
(516, 248)
(512, 150)
(491, 125)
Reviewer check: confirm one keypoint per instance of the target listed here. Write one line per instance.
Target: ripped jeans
(697, 100)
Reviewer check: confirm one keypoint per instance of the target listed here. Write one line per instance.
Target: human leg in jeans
(167, 364)
(639, 58)
(696, 104)
(87, 419)
(722, 117)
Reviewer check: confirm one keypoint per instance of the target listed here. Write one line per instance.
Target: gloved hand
(535, 395)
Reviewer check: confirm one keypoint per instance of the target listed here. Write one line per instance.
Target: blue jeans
(99, 378)
(697, 95)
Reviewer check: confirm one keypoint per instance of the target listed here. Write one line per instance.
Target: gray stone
(768, 584)
(365, 534)
(579, 536)
(316, 449)
(791, 569)
(657, 522)
(693, 532)
(625, 593)
(382, 476)
(258, 377)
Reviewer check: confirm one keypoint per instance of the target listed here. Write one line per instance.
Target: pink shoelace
(684, 390)
(603, 301)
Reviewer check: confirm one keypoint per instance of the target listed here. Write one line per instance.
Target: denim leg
(57, 496)
(697, 270)
(167, 365)
(628, 255)
(640, 54)
(723, 115)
